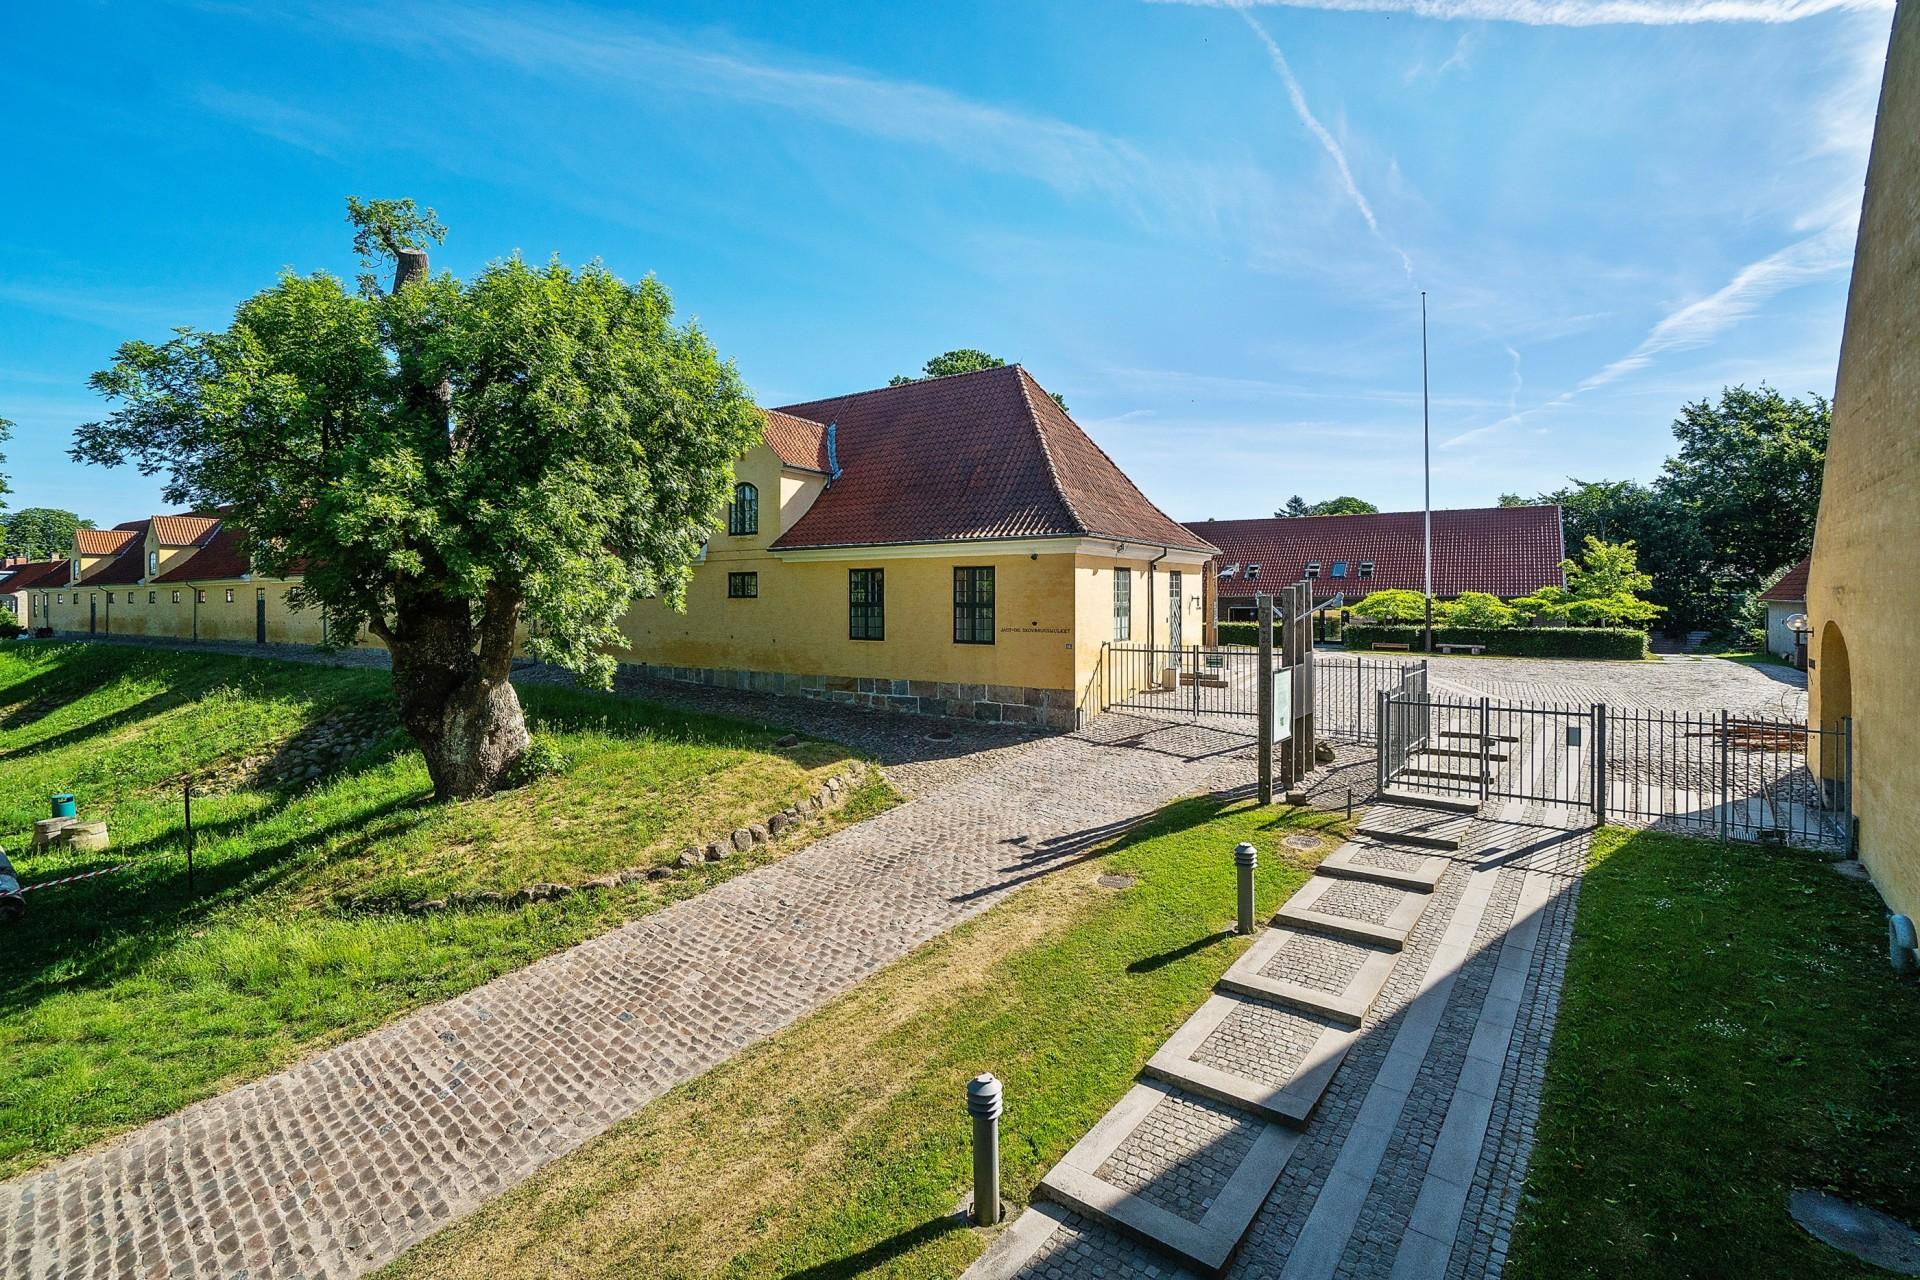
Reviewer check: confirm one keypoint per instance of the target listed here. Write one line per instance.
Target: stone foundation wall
(1008, 704)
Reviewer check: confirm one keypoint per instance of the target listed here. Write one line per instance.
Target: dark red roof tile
(1792, 588)
(1504, 551)
(972, 457)
(35, 575)
(218, 559)
(796, 441)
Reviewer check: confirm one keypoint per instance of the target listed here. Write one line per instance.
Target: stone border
(1392, 932)
(1209, 1242)
(1349, 1006)
(1290, 1103)
(994, 703)
(1341, 863)
(828, 796)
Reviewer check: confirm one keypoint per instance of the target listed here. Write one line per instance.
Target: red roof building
(1503, 551)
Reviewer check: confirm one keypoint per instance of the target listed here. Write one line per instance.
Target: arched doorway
(1832, 700)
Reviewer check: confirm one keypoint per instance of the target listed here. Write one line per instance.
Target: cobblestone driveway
(337, 1165)
(1676, 682)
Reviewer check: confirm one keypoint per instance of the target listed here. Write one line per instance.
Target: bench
(1387, 644)
(1475, 649)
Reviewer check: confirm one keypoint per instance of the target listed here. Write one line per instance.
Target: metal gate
(1184, 682)
(1715, 774)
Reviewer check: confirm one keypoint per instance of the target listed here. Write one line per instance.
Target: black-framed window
(1122, 603)
(973, 605)
(229, 595)
(743, 586)
(866, 604)
(743, 516)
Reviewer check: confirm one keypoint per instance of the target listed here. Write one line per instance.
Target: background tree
(6, 434)
(1392, 606)
(959, 360)
(1341, 506)
(448, 462)
(1604, 589)
(42, 533)
(1477, 609)
(1512, 500)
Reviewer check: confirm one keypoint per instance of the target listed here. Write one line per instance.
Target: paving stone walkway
(337, 1165)
(1410, 1162)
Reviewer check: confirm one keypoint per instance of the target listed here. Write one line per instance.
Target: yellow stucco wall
(1153, 607)
(1863, 592)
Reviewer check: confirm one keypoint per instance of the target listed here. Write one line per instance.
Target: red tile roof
(184, 530)
(35, 575)
(971, 457)
(1504, 551)
(105, 542)
(219, 559)
(129, 565)
(1792, 588)
(796, 441)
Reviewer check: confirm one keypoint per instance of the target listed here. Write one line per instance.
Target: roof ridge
(1046, 450)
(912, 382)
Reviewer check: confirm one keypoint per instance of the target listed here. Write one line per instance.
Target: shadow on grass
(1147, 964)
(882, 1252)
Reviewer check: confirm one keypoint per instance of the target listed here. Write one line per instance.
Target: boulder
(777, 823)
(718, 850)
(758, 832)
(742, 839)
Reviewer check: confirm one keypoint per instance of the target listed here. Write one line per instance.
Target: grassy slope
(1729, 1030)
(840, 1146)
(126, 997)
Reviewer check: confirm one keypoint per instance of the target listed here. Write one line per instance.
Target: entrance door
(93, 613)
(1173, 608)
(259, 615)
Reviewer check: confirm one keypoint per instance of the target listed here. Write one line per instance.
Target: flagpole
(1426, 466)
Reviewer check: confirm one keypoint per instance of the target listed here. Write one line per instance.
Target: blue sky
(1207, 226)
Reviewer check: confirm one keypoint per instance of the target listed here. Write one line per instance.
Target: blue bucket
(63, 805)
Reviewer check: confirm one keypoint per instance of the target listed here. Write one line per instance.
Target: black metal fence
(1346, 695)
(1715, 774)
(1190, 681)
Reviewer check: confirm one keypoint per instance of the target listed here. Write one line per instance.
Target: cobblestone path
(335, 1166)
(1411, 1166)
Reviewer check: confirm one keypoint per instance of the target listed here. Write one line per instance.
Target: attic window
(1339, 568)
(1253, 572)
(1366, 568)
(1313, 568)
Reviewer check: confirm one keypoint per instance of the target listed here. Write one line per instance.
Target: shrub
(1521, 642)
(1478, 609)
(1247, 633)
(539, 759)
(9, 628)
(1393, 606)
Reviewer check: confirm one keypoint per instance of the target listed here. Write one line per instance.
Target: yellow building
(1863, 590)
(956, 546)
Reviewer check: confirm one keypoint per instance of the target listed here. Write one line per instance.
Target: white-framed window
(1313, 568)
(1253, 572)
(153, 597)
(1366, 568)
(176, 597)
(1122, 603)
(153, 563)
(229, 595)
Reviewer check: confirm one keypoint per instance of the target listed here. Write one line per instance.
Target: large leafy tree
(451, 465)
(1605, 588)
(959, 360)
(1392, 606)
(42, 533)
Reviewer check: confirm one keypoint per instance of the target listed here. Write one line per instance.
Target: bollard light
(984, 1105)
(1244, 859)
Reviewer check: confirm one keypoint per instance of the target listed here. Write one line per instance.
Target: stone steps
(1407, 798)
(1473, 736)
(1460, 753)
(1188, 1157)
(1443, 774)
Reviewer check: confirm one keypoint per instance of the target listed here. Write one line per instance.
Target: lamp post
(1802, 627)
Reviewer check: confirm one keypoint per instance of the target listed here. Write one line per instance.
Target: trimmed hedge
(1513, 642)
(1247, 633)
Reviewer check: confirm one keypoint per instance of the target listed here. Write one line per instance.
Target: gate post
(1382, 700)
(1727, 749)
(1263, 610)
(1484, 729)
(1599, 781)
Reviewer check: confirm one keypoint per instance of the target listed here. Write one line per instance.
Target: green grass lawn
(1729, 1030)
(126, 997)
(840, 1147)
(1752, 658)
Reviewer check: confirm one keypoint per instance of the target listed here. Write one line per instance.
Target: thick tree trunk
(455, 699)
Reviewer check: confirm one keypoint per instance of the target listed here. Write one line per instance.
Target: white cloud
(274, 119)
(1699, 322)
(1318, 130)
(1575, 13)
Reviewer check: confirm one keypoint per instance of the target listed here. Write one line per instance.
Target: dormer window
(1313, 568)
(1253, 573)
(1339, 568)
(743, 516)
(153, 563)
(1366, 568)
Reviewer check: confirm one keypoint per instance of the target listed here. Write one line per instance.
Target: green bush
(1247, 633)
(1525, 642)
